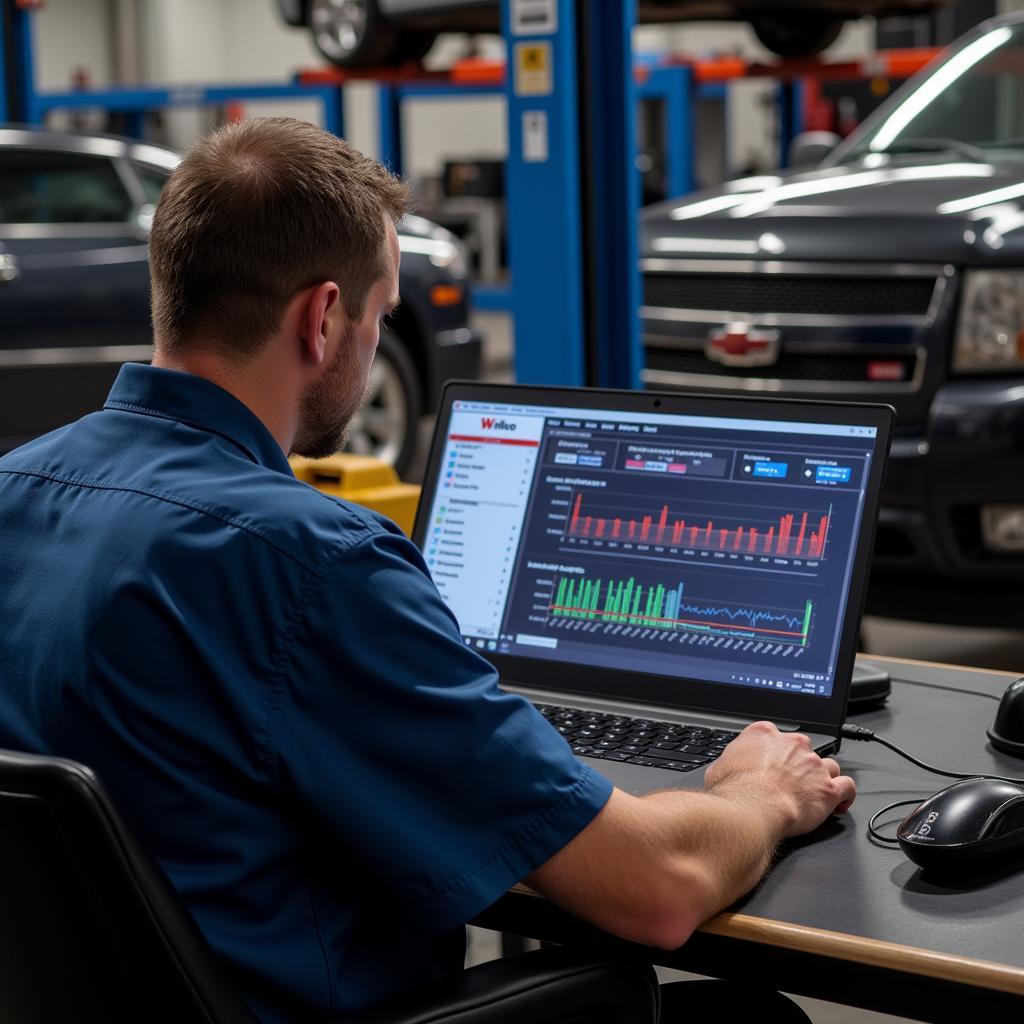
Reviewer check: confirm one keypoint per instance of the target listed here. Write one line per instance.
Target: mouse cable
(874, 833)
(858, 732)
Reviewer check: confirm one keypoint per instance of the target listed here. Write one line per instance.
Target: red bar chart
(798, 534)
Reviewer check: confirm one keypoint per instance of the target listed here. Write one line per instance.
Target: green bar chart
(663, 605)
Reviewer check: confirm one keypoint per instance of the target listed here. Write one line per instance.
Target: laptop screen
(715, 548)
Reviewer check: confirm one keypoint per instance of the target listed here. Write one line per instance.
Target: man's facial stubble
(329, 405)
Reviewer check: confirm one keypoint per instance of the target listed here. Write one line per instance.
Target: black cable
(875, 836)
(858, 732)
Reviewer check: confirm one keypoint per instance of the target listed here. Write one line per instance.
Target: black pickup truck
(893, 272)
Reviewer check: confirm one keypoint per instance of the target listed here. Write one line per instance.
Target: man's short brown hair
(256, 212)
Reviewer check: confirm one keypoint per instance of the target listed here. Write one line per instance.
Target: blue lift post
(545, 197)
(611, 193)
(789, 102)
(674, 86)
(573, 193)
(5, 65)
(16, 68)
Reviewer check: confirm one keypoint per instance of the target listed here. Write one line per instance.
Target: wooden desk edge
(856, 949)
(872, 952)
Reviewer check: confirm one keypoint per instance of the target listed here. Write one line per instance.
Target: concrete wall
(220, 41)
(73, 34)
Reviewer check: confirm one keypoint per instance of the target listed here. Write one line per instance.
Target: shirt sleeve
(396, 736)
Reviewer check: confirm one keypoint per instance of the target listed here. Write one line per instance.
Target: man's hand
(768, 767)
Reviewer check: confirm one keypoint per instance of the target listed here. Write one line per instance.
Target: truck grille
(824, 295)
(790, 366)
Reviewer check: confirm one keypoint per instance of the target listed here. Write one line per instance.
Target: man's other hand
(764, 765)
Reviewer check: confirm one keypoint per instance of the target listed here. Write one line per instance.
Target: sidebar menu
(477, 517)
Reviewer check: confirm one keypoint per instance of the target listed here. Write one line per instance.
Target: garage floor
(984, 648)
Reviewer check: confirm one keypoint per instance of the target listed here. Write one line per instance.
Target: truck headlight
(990, 333)
(451, 256)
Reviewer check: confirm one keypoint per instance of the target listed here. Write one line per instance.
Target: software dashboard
(714, 548)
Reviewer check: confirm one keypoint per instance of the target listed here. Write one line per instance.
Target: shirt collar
(199, 403)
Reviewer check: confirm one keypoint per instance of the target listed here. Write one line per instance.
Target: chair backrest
(90, 928)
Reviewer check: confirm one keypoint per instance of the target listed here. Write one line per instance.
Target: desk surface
(835, 902)
(878, 895)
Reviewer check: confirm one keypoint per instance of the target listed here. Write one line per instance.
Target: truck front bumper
(930, 538)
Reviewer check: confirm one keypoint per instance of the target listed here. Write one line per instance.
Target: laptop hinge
(636, 709)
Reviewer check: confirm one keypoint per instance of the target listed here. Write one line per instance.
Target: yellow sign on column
(533, 69)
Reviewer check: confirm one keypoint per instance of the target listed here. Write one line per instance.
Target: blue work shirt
(271, 688)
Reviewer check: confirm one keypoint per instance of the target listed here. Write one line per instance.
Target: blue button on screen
(774, 470)
(833, 474)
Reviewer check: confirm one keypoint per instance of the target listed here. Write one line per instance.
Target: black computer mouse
(1007, 731)
(969, 826)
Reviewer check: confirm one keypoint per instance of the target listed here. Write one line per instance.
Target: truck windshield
(973, 100)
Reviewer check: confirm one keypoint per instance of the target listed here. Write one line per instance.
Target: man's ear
(319, 320)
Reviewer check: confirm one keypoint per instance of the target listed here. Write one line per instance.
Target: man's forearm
(651, 869)
(724, 840)
(660, 865)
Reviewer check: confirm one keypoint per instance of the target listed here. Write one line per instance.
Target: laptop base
(639, 779)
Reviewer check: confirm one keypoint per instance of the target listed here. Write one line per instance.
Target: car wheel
(796, 36)
(352, 33)
(414, 44)
(387, 426)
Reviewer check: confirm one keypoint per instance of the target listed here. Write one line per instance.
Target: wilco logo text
(489, 423)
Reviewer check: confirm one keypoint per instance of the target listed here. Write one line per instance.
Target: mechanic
(266, 679)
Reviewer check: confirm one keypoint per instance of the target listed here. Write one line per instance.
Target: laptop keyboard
(642, 741)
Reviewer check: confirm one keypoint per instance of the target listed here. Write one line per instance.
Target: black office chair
(91, 930)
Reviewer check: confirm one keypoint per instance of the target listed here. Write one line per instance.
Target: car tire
(387, 426)
(352, 33)
(789, 35)
(414, 45)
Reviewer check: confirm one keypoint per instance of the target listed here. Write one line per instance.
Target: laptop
(656, 571)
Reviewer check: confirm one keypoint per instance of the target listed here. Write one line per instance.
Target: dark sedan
(75, 212)
(893, 273)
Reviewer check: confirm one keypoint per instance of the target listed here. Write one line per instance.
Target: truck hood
(877, 209)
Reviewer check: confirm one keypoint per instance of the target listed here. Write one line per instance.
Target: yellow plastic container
(363, 480)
